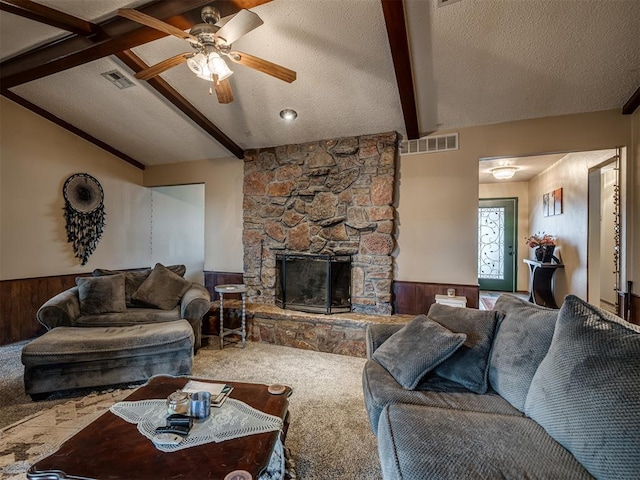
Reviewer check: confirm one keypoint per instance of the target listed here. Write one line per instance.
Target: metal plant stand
(242, 331)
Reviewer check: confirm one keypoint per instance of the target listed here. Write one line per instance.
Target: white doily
(234, 419)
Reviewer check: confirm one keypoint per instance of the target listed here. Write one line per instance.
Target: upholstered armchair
(114, 298)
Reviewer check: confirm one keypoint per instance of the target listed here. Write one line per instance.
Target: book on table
(219, 391)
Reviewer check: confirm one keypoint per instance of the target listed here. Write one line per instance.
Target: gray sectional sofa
(557, 394)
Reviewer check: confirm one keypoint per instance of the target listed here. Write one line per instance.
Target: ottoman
(74, 357)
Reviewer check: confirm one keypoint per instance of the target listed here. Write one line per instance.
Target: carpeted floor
(329, 436)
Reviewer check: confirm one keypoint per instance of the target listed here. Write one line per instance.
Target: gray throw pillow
(586, 392)
(415, 349)
(179, 270)
(101, 294)
(132, 281)
(469, 365)
(162, 289)
(522, 340)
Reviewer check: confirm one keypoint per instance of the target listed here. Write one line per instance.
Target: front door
(497, 244)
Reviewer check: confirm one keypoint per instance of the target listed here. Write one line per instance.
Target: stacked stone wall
(327, 197)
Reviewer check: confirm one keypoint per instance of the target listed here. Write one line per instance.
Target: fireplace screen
(314, 283)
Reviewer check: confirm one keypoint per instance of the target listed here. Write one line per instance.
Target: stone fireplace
(332, 197)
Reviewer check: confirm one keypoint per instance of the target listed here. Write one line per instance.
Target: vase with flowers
(544, 245)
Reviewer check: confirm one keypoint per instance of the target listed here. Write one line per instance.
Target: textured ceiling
(474, 63)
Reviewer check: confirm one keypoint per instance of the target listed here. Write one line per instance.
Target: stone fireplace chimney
(332, 197)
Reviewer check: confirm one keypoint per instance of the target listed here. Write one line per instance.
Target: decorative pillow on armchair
(132, 280)
(162, 288)
(469, 365)
(101, 294)
(586, 391)
(415, 349)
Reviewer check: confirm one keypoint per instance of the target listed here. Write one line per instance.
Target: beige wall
(438, 192)
(37, 157)
(571, 174)
(222, 179)
(437, 195)
(519, 190)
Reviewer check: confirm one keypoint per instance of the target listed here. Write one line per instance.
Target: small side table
(242, 331)
(455, 301)
(541, 282)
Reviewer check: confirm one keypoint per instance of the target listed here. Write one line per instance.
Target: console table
(541, 282)
(242, 331)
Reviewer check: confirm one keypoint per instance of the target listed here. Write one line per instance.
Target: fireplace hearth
(313, 283)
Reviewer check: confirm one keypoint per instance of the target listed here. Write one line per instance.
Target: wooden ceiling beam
(49, 16)
(119, 34)
(398, 41)
(136, 64)
(632, 104)
(71, 128)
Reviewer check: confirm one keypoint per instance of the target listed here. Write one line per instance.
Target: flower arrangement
(540, 240)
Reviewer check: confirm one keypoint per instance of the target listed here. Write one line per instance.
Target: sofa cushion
(468, 366)
(132, 280)
(101, 294)
(133, 316)
(522, 340)
(414, 350)
(162, 288)
(417, 442)
(586, 392)
(381, 389)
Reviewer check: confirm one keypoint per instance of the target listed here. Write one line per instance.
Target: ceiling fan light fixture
(503, 173)
(288, 115)
(205, 66)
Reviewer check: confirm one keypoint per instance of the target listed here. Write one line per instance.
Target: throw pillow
(415, 349)
(132, 281)
(177, 269)
(522, 340)
(469, 365)
(586, 392)
(162, 288)
(101, 294)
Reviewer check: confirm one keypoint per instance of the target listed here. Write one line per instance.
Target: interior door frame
(595, 262)
(513, 253)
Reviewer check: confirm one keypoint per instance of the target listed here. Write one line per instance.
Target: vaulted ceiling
(363, 66)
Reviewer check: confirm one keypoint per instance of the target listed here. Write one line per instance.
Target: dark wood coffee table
(112, 448)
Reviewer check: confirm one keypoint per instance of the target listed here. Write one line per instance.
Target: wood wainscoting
(20, 300)
(211, 279)
(416, 297)
(409, 297)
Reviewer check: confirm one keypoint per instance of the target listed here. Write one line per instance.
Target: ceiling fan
(211, 41)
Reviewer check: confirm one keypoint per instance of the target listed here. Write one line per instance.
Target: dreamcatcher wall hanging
(84, 213)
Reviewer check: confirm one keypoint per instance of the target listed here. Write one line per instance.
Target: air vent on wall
(118, 79)
(435, 143)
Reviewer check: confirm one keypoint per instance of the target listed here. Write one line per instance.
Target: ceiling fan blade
(240, 24)
(263, 66)
(160, 67)
(223, 90)
(149, 21)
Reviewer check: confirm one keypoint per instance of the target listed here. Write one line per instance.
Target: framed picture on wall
(557, 201)
(545, 205)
